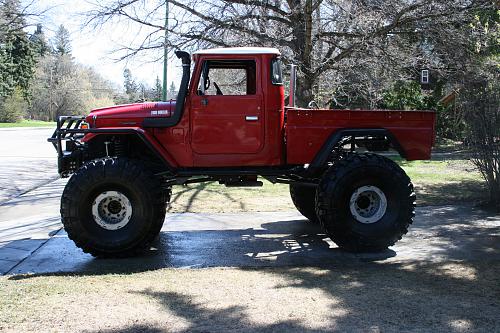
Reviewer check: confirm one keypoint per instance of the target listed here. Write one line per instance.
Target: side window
(228, 77)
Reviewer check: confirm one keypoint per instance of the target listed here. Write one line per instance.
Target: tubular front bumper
(69, 157)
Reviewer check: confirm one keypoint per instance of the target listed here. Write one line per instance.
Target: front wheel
(365, 202)
(113, 207)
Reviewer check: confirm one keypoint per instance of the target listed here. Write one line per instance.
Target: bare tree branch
(318, 35)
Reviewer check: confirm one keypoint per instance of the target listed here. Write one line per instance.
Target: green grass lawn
(441, 182)
(437, 182)
(29, 123)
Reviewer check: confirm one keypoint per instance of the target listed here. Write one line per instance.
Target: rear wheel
(113, 207)
(365, 202)
(303, 198)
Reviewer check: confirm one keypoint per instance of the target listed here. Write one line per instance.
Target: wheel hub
(115, 207)
(368, 204)
(111, 210)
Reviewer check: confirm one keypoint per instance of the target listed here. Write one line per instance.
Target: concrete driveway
(32, 239)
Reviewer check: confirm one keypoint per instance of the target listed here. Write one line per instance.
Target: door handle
(204, 102)
(252, 118)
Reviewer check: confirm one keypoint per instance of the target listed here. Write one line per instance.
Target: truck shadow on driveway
(280, 243)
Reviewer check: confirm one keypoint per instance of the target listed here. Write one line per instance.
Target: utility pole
(165, 55)
(51, 116)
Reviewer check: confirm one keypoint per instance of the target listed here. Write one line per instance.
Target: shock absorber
(119, 147)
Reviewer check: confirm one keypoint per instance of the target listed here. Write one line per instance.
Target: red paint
(127, 115)
(214, 132)
(307, 130)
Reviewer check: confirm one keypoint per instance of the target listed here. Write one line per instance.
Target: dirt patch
(214, 198)
(451, 193)
(451, 297)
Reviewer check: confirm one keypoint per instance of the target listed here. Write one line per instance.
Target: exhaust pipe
(293, 79)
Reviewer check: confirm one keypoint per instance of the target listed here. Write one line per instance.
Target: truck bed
(308, 129)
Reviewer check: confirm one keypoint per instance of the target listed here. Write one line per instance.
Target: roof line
(240, 50)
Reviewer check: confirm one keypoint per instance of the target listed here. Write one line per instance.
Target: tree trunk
(304, 92)
(302, 45)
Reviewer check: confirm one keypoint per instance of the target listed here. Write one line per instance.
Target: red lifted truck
(230, 124)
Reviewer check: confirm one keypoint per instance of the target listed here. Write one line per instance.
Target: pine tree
(157, 91)
(16, 55)
(172, 91)
(62, 41)
(143, 92)
(6, 79)
(131, 87)
(39, 42)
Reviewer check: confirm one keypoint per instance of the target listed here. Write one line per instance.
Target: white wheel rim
(368, 204)
(111, 210)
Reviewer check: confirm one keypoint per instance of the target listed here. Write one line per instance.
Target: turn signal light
(84, 126)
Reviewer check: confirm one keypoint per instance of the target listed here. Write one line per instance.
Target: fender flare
(321, 157)
(147, 139)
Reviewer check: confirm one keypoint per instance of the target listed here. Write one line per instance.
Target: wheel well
(123, 145)
(345, 140)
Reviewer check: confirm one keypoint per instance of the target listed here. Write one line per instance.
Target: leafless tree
(17, 15)
(480, 97)
(328, 39)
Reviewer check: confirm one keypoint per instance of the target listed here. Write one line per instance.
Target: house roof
(448, 99)
(240, 50)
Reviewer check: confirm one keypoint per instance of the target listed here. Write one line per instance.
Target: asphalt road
(29, 193)
(27, 160)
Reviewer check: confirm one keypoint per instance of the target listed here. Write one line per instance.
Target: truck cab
(236, 105)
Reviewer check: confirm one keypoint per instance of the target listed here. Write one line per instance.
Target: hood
(129, 114)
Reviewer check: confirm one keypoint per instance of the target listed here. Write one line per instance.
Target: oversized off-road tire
(113, 207)
(365, 203)
(304, 199)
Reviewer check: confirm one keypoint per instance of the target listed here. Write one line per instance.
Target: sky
(98, 48)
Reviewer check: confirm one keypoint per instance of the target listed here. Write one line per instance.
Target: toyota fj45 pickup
(230, 124)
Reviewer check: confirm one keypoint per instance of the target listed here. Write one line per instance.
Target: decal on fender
(159, 112)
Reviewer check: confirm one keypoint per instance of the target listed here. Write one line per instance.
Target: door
(227, 109)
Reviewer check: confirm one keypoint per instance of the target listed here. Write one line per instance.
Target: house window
(424, 78)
